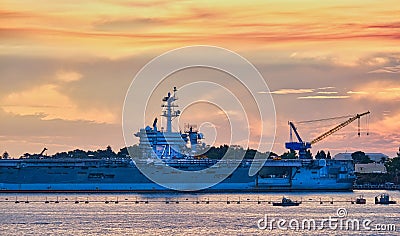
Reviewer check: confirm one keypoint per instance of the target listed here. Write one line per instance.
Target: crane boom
(295, 131)
(41, 153)
(340, 126)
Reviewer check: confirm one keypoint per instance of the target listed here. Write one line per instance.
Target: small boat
(286, 202)
(384, 199)
(361, 200)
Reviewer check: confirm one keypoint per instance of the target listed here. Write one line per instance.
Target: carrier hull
(123, 176)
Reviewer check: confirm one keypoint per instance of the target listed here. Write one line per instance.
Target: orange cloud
(388, 124)
(383, 90)
(48, 101)
(68, 76)
(104, 27)
(323, 97)
(291, 91)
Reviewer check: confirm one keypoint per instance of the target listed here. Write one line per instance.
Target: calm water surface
(187, 217)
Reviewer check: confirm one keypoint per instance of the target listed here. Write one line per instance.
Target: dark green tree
(250, 153)
(272, 155)
(308, 154)
(5, 155)
(320, 155)
(328, 156)
(359, 157)
(108, 153)
(393, 165)
(291, 154)
(393, 168)
(123, 153)
(78, 154)
(60, 155)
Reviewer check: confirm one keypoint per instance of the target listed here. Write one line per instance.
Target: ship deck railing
(66, 162)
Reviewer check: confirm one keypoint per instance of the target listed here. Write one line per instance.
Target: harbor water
(195, 214)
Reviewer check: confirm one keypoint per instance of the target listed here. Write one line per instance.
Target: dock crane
(41, 153)
(303, 146)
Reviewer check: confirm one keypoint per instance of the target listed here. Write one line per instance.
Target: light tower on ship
(169, 109)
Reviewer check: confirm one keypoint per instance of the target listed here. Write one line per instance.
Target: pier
(227, 201)
(376, 187)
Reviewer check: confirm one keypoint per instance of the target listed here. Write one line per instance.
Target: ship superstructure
(166, 144)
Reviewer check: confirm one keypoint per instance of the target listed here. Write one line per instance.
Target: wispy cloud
(290, 91)
(387, 69)
(356, 92)
(325, 88)
(392, 25)
(327, 92)
(323, 97)
(68, 76)
(383, 90)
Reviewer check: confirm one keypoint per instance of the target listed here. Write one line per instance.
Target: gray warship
(179, 150)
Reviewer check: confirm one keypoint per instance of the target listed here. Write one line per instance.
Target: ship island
(40, 173)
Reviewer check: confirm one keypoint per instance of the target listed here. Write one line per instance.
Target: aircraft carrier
(172, 148)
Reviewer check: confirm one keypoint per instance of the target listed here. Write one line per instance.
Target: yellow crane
(302, 146)
(340, 126)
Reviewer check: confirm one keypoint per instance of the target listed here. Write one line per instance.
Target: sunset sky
(65, 66)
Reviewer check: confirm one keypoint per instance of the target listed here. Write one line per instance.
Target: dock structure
(376, 187)
(177, 200)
